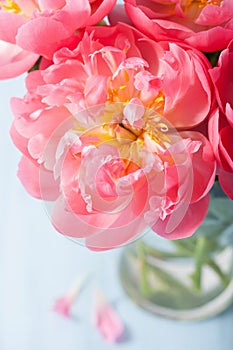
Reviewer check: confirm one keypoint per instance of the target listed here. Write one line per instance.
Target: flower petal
(14, 61)
(37, 180)
(106, 320)
(194, 216)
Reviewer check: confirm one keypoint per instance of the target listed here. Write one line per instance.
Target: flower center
(10, 6)
(123, 90)
(203, 3)
(153, 137)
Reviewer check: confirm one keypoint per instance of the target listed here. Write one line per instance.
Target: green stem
(181, 245)
(198, 249)
(166, 255)
(199, 254)
(224, 278)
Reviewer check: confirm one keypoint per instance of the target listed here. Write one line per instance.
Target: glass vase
(187, 279)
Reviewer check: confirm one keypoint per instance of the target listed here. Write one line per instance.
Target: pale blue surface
(37, 265)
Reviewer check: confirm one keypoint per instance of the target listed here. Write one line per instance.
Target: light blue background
(37, 265)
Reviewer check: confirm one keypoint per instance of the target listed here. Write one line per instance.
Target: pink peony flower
(221, 121)
(97, 128)
(204, 24)
(31, 25)
(106, 320)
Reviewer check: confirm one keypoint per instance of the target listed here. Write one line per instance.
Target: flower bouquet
(125, 127)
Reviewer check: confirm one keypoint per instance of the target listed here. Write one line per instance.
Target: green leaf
(36, 65)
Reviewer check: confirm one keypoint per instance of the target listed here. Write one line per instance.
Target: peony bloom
(204, 24)
(106, 319)
(30, 25)
(221, 121)
(97, 129)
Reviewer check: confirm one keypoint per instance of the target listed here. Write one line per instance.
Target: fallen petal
(106, 319)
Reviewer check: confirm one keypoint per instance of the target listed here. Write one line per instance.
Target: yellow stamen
(163, 127)
(203, 3)
(112, 93)
(126, 76)
(10, 6)
(158, 103)
(157, 133)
